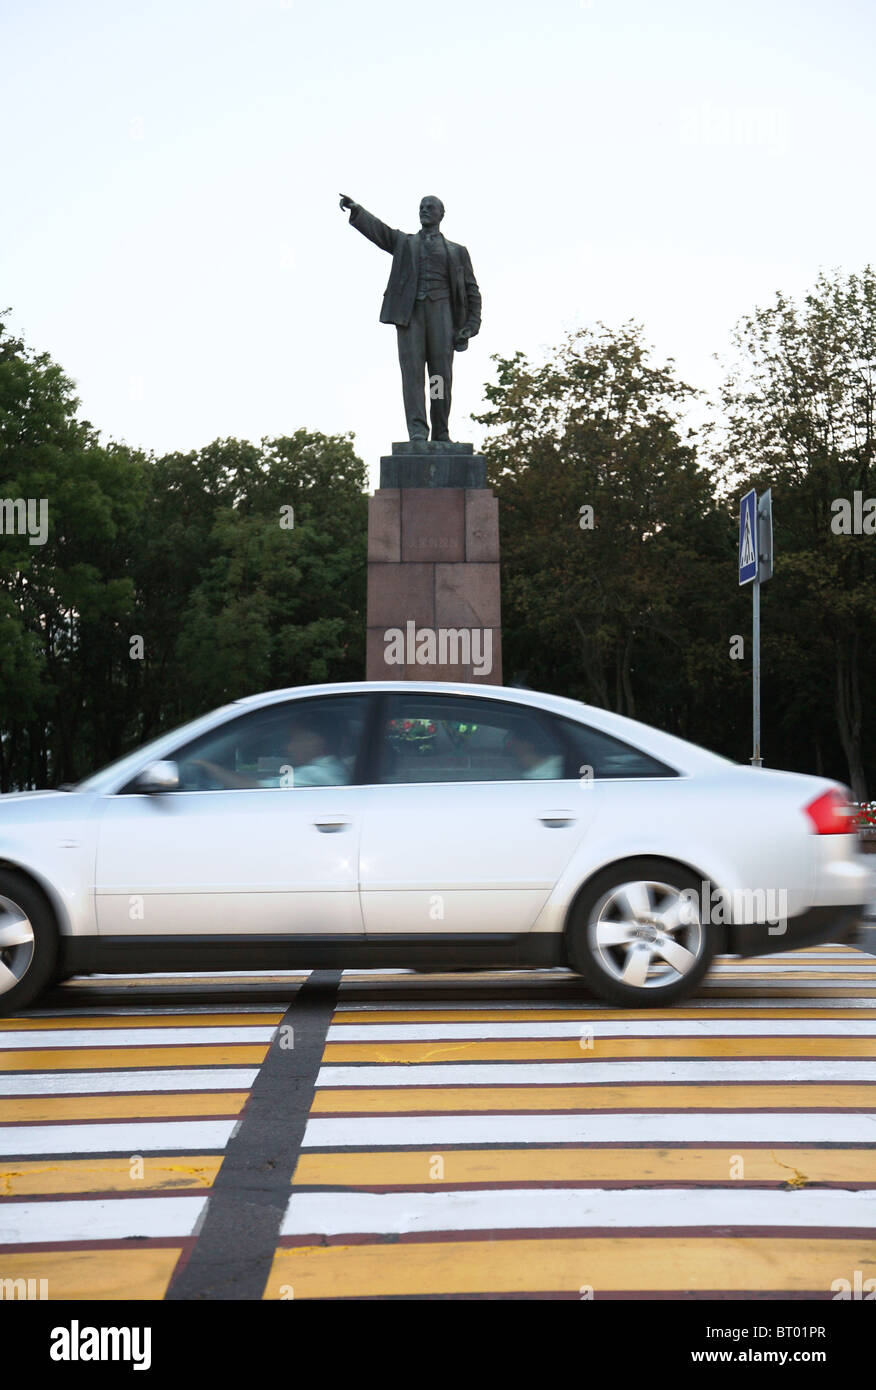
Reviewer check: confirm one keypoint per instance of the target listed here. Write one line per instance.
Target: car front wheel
(28, 943)
(637, 933)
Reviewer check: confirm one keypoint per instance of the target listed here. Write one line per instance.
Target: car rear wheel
(636, 935)
(28, 943)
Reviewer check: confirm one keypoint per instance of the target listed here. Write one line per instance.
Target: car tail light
(831, 814)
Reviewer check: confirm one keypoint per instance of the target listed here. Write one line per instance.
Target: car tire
(28, 943)
(635, 939)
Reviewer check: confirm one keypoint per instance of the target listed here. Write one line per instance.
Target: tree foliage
(170, 584)
(165, 585)
(621, 605)
(800, 416)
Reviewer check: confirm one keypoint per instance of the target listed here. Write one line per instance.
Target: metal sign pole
(755, 568)
(755, 671)
(764, 532)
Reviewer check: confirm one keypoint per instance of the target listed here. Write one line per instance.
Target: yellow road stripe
(742, 988)
(99, 1274)
(105, 1058)
(696, 1096)
(567, 1049)
(733, 970)
(53, 1109)
(839, 972)
(602, 1264)
(745, 989)
(68, 1021)
(218, 978)
(541, 1165)
(60, 1177)
(590, 1012)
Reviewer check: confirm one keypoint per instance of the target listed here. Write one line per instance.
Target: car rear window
(602, 756)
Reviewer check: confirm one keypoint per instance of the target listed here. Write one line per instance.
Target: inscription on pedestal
(433, 569)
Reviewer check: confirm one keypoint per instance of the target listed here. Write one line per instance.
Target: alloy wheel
(646, 934)
(16, 944)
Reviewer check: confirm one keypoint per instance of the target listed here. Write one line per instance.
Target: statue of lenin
(433, 299)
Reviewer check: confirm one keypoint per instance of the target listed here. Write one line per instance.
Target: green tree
(800, 416)
(62, 603)
(624, 613)
(165, 585)
(281, 599)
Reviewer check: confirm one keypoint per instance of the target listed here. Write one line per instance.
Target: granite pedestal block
(426, 463)
(433, 568)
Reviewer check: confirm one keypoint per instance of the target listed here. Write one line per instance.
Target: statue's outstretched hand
(347, 204)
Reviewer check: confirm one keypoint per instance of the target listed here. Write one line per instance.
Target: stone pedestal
(433, 568)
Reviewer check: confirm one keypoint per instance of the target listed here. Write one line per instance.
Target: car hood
(7, 797)
(16, 808)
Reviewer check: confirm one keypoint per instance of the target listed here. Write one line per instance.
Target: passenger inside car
(534, 753)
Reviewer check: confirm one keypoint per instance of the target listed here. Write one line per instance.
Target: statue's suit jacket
(401, 291)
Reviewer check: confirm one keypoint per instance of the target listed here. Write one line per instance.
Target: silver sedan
(422, 825)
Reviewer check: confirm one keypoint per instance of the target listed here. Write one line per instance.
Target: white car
(422, 825)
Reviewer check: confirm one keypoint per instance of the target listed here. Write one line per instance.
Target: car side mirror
(158, 777)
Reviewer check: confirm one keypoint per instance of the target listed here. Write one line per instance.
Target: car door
(261, 837)
(472, 816)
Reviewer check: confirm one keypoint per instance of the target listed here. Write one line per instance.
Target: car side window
(443, 738)
(600, 756)
(299, 743)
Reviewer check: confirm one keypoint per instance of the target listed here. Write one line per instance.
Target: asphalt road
(484, 1135)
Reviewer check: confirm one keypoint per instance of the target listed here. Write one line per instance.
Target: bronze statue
(433, 299)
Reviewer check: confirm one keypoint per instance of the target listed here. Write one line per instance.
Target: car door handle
(555, 820)
(331, 827)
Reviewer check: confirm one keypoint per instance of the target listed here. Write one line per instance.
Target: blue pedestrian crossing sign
(748, 538)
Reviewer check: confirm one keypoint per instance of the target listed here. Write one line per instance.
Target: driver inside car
(307, 760)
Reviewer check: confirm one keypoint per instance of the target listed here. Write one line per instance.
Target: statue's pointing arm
(365, 222)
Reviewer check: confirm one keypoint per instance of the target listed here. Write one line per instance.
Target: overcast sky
(171, 169)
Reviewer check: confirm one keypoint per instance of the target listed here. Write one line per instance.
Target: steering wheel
(195, 778)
